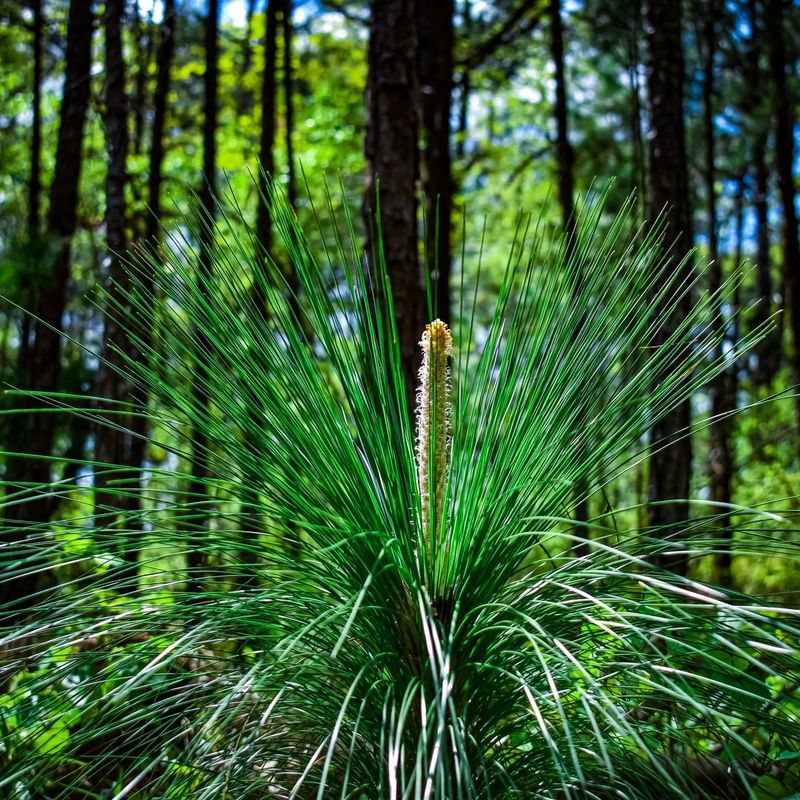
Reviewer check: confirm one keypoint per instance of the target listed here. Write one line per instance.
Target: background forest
(121, 121)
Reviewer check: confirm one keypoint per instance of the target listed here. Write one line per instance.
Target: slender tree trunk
(565, 158)
(670, 462)
(465, 87)
(111, 444)
(784, 161)
(640, 170)
(720, 460)
(436, 83)
(268, 108)
(166, 49)
(198, 488)
(41, 368)
(244, 97)
(769, 350)
(35, 187)
(288, 97)
(164, 56)
(392, 157)
(144, 44)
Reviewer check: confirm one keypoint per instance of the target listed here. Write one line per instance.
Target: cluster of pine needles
(332, 599)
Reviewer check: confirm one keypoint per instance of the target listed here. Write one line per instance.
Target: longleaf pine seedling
(307, 593)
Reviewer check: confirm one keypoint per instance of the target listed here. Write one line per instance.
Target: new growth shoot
(433, 428)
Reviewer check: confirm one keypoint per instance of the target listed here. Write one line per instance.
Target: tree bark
(35, 187)
(720, 450)
(784, 161)
(110, 443)
(768, 351)
(464, 87)
(244, 97)
(198, 486)
(267, 143)
(392, 157)
(565, 159)
(671, 459)
(164, 55)
(436, 84)
(565, 156)
(40, 362)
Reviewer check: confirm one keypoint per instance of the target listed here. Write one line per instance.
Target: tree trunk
(41, 368)
(35, 188)
(144, 41)
(164, 56)
(670, 461)
(784, 161)
(166, 49)
(465, 87)
(436, 83)
(392, 157)
(769, 350)
(40, 364)
(244, 97)
(565, 158)
(198, 488)
(110, 443)
(267, 144)
(720, 459)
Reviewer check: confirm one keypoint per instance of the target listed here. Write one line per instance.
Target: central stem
(433, 420)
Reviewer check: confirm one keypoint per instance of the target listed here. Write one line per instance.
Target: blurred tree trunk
(391, 150)
(720, 449)
(640, 159)
(143, 54)
(244, 97)
(565, 159)
(35, 186)
(784, 162)
(436, 84)
(40, 362)
(768, 351)
(164, 55)
(111, 443)
(465, 86)
(267, 144)
(671, 459)
(565, 156)
(251, 518)
(198, 486)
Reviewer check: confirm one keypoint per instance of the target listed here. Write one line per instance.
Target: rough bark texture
(720, 451)
(784, 160)
(198, 487)
(392, 156)
(670, 465)
(436, 85)
(267, 143)
(40, 361)
(111, 444)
